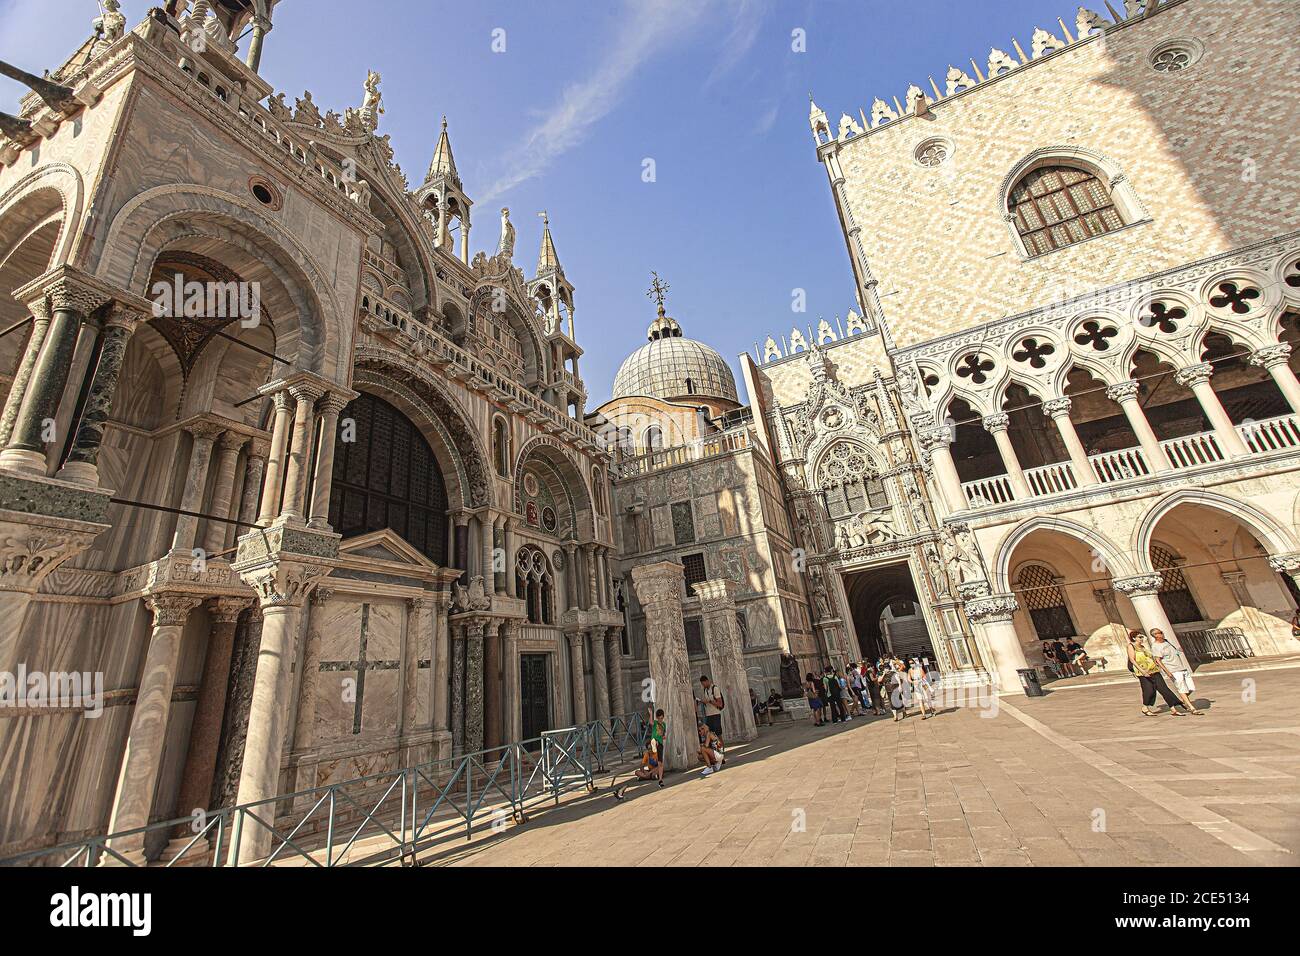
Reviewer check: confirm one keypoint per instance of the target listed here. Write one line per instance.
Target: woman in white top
(920, 686)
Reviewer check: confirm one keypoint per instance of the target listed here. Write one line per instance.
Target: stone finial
(958, 80)
(1000, 62)
(881, 113)
(848, 127)
(1086, 21)
(1044, 42)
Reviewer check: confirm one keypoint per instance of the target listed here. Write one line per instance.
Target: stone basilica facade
(345, 519)
(347, 511)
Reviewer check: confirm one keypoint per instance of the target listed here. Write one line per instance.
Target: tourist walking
(1146, 668)
(812, 690)
(920, 687)
(873, 690)
(1176, 668)
(894, 684)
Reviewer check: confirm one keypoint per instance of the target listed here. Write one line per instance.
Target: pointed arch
(1114, 558)
(1272, 533)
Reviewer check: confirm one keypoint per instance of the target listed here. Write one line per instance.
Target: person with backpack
(710, 703)
(834, 696)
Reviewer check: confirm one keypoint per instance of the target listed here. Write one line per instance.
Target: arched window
(849, 483)
(1056, 206)
(388, 478)
(1045, 601)
(654, 438)
(1175, 597)
(501, 446)
(535, 584)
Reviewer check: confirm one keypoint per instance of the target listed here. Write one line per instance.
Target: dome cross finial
(658, 291)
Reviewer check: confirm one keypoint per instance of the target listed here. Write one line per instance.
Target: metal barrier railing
(1215, 644)
(389, 816)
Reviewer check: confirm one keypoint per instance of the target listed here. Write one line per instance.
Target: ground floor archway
(887, 614)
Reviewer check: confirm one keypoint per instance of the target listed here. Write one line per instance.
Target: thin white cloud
(646, 29)
(747, 21)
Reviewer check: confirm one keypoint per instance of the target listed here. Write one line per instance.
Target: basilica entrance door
(534, 697)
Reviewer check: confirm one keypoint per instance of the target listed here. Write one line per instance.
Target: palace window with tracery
(849, 482)
(1057, 206)
(535, 584)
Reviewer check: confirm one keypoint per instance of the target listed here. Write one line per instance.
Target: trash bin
(1030, 682)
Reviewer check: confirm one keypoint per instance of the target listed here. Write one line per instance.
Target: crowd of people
(894, 684)
(889, 684)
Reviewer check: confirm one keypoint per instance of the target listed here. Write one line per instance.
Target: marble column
(996, 425)
(417, 647)
(474, 686)
(937, 441)
(137, 781)
(1058, 410)
(304, 729)
(254, 466)
(210, 709)
(274, 483)
(994, 615)
(320, 492)
(1143, 591)
(1197, 378)
(464, 237)
(589, 562)
(571, 577)
(660, 588)
(295, 475)
(81, 465)
(440, 669)
(599, 675)
(458, 642)
(196, 480)
(70, 304)
(223, 489)
(1273, 359)
(261, 27)
(281, 588)
(727, 658)
(578, 680)
(500, 566)
(40, 310)
(514, 729)
(492, 686)
(614, 666)
(1126, 393)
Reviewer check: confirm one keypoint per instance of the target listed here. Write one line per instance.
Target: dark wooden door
(535, 696)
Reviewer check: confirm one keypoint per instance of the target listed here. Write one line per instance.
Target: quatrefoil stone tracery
(1163, 317)
(1095, 334)
(1236, 296)
(975, 367)
(1033, 351)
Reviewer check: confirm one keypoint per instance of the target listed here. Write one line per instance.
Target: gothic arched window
(388, 478)
(1045, 601)
(1056, 206)
(654, 438)
(1175, 596)
(535, 584)
(849, 482)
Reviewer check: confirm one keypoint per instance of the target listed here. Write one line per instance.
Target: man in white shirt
(1174, 662)
(710, 702)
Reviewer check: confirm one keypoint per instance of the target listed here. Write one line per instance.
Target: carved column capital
(171, 609)
(997, 422)
(1285, 563)
(1123, 391)
(992, 609)
(1194, 375)
(68, 293)
(1271, 355)
(934, 437)
(1138, 585)
(28, 554)
(1057, 407)
(715, 594)
(226, 610)
(662, 583)
(283, 584)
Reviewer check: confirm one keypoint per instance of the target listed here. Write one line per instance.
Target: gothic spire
(547, 259)
(443, 164)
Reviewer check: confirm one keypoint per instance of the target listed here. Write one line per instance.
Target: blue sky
(739, 214)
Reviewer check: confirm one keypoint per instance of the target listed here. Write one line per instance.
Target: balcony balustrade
(1266, 437)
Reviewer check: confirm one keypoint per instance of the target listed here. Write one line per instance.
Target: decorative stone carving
(1271, 355)
(986, 610)
(961, 554)
(1194, 375)
(471, 598)
(1123, 391)
(1138, 585)
(1285, 563)
(726, 658)
(659, 588)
